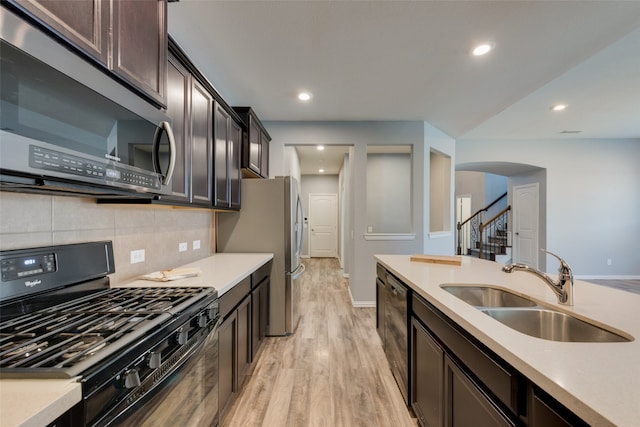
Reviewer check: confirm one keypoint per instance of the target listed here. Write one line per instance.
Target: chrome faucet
(562, 287)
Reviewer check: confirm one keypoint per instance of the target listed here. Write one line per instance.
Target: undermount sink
(531, 318)
(487, 296)
(553, 325)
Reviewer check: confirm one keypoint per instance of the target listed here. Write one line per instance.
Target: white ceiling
(409, 60)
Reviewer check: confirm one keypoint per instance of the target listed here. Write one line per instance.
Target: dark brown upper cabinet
(190, 106)
(136, 52)
(228, 135)
(255, 145)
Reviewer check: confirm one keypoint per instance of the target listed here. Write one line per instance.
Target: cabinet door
(179, 87)
(227, 360)
(235, 141)
(260, 315)
(255, 139)
(381, 297)
(244, 339)
(264, 157)
(221, 173)
(201, 144)
(140, 45)
(427, 376)
(547, 412)
(465, 404)
(85, 24)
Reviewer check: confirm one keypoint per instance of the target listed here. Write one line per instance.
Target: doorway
(323, 225)
(525, 224)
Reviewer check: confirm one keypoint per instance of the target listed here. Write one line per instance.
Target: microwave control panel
(47, 159)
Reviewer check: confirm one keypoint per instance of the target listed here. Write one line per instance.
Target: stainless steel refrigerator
(270, 220)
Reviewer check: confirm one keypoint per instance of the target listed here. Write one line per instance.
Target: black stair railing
(468, 231)
(493, 235)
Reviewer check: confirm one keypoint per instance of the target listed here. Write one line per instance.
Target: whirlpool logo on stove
(32, 283)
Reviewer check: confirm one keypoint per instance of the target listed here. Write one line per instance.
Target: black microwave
(66, 126)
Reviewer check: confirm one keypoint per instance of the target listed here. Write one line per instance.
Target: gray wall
(359, 251)
(592, 196)
(389, 193)
(28, 220)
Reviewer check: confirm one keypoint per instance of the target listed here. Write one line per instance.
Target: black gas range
(129, 347)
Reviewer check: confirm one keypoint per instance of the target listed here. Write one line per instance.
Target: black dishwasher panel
(396, 333)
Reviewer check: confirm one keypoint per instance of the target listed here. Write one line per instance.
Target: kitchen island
(37, 402)
(596, 381)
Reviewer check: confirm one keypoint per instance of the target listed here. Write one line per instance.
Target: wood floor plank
(331, 372)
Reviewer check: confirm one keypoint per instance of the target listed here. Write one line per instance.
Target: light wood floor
(331, 372)
(625, 285)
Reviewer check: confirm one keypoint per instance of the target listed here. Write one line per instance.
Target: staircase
(487, 240)
(496, 247)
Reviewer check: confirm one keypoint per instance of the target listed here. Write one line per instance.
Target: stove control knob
(202, 320)
(155, 360)
(131, 378)
(183, 337)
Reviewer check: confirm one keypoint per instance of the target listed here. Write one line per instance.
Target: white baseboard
(607, 277)
(305, 256)
(364, 304)
(361, 304)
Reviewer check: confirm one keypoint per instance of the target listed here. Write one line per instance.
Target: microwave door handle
(165, 127)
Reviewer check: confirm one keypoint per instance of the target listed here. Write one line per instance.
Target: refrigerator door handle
(298, 272)
(300, 224)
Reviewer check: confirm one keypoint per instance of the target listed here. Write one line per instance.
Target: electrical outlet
(182, 247)
(370, 229)
(137, 256)
(196, 244)
(609, 262)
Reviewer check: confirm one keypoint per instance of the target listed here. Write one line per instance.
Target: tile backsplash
(28, 220)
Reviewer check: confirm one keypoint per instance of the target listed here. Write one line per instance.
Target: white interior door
(525, 224)
(323, 225)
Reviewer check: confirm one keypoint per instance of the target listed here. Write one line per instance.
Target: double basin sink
(531, 318)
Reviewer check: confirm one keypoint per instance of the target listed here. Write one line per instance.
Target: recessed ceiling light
(482, 49)
(559, 107)
(304, 96)
(320, 147)
(321, 170)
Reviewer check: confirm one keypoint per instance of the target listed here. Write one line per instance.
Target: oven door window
(188, 397)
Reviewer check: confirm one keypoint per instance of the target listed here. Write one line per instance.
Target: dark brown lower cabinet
(227, 335)
(456, 381)
(243, 314)
(466, 404)
(260, 315)
(546, 412)
(427, 367)
(234, 347)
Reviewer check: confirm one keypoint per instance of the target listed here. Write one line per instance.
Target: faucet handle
(564, 267)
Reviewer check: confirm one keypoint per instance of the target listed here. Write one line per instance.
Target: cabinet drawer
(233, 296)
(500, 379)
(381, 272)
(260, 274)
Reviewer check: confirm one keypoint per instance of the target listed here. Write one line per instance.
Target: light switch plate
(182, 247)
(137, 256)
(196, 244)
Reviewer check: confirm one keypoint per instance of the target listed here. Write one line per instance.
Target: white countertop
(600, 382)
(38, 402)
(221, 271)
